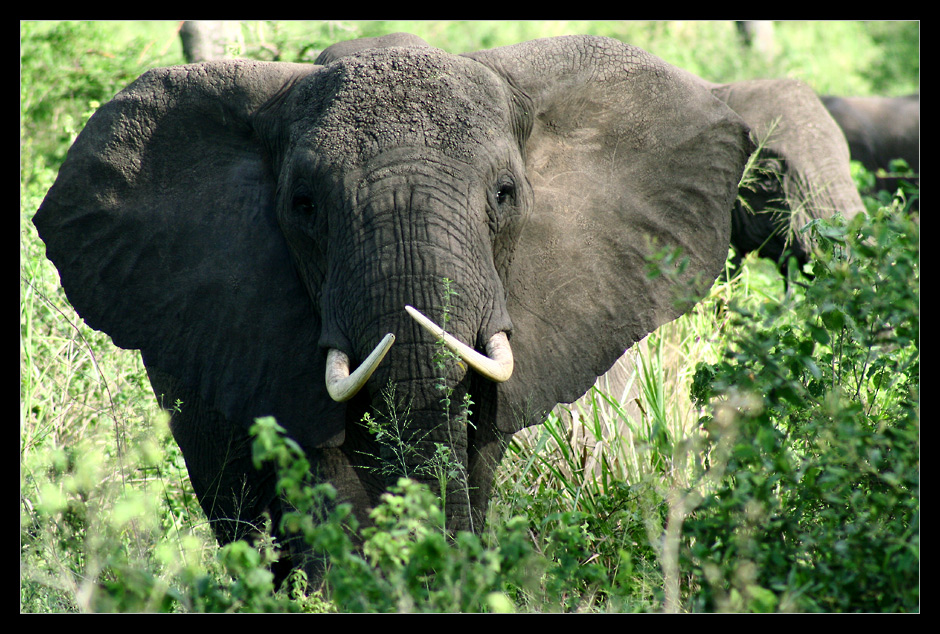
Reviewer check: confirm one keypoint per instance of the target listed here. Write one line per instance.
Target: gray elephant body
(237, 221)
(803, 170)
(878, 130)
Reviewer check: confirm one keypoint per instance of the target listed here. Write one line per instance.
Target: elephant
(804, 171)
(878, 130)
(259, 229)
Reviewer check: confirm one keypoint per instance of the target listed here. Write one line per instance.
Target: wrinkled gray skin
(878, 130)
(804, 168)
(235, 220)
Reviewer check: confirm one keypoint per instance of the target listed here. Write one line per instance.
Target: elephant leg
(233, 494)
(236, 496)
(350, 470)
(483, 464)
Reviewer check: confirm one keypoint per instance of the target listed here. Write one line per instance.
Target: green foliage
(404, 561)
(67, 70)
(895, 70)
(810, 485)
(876, 195)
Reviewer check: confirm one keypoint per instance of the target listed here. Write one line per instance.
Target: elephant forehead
(387, 98)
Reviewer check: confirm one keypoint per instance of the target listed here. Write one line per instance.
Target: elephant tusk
(496, 365)
(342, 385)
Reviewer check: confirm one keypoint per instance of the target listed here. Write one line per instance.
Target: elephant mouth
(496, 365)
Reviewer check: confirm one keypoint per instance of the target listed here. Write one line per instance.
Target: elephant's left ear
(628, 158)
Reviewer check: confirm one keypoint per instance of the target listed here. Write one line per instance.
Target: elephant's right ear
(627, 156)
(162, 226)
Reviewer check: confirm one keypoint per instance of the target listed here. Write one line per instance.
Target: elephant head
(256, 229)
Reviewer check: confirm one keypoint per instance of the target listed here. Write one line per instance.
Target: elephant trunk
(423, 427)
(415, 247)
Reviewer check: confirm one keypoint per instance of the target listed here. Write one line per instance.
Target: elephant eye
(505, 193)
(303, 204)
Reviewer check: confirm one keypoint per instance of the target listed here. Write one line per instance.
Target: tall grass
(615, 458)
(601, 508)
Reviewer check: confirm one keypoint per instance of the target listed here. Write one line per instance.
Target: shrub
(404, 560)
(808, 496)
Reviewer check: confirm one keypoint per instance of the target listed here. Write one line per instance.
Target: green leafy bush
(809, 488)
(404, 561)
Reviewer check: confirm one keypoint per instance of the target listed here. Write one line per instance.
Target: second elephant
(803, 172)
(878, 130)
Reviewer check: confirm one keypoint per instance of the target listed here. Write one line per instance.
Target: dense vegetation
(769, 462)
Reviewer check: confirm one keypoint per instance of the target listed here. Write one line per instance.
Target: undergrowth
(810, 489)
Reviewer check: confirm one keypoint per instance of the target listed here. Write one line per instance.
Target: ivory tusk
(497, 366)
(342, 385)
